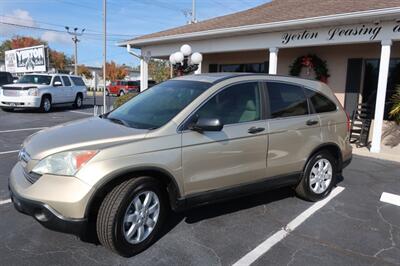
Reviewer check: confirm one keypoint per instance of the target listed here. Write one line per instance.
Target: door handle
(311, 122)
(255, 130)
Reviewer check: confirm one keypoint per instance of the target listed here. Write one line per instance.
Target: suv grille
(12, 93)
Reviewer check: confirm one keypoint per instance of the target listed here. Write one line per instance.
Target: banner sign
(25, 60)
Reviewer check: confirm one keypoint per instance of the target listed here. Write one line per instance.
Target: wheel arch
(114, 179)
(331, 147)
(47, 94)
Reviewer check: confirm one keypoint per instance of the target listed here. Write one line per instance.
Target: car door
(68, 89)
(236, 154)
(293, 131)
(57, 92)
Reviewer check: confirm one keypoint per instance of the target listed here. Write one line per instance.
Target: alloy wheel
(320, 176)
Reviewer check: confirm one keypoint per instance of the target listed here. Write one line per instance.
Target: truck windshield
(35, 79)
(157, 105)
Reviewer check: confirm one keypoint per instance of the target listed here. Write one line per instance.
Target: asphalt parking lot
(353, 228)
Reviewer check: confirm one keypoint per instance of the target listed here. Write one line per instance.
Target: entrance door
(353, 84)
(237, 154)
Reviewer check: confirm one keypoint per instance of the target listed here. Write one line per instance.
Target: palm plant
(395, 111)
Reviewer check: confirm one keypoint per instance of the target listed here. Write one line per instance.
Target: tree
(114, 71)
(83, 70)
(58, 60)
(22, 42)
(159, 70)
(5, 46)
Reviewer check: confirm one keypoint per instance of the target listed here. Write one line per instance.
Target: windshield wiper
(118, 121)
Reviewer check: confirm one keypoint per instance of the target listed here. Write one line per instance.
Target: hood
(89, 133)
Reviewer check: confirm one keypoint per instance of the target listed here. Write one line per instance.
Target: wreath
(310, 61)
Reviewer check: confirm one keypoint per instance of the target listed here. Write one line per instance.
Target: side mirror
(57, 83)
(207, 124)
(15, 81)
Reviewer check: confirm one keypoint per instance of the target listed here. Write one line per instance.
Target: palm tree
(395, 111)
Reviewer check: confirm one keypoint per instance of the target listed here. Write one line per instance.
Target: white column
(273, 61)
(144, 74)
(198, 71)
(381, 96)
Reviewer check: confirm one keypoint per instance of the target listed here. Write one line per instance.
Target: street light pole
(104, 53)
(75, 39)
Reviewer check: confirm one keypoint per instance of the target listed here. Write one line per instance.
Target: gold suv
(183, 143)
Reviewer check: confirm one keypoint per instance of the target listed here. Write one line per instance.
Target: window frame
(269, 112)
(183, 126)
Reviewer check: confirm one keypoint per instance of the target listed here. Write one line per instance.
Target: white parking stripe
(79, 112)
(390, 198)
(21, 129)
(261, 249)
(8, 152)
(2, 202)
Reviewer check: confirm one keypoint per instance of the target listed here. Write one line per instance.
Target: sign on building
(25, 60)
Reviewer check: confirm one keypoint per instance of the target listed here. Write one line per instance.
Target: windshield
(36, 79)
(156, 106)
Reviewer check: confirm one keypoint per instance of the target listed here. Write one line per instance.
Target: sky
(126, 19)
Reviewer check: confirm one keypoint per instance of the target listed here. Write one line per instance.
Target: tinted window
(78, 81)
(56, 78)
(36, 79)
(66, 81)
(133, 83)
(156, 106)
(236, 104)
(4, 78)
(321, 103)
(286, 100)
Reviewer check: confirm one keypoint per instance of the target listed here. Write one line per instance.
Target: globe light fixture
(196, 58)
(172, 59)
(178, 56)
(186, 50)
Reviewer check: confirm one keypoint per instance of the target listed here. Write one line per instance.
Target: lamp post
(75, 39)
(184, 61)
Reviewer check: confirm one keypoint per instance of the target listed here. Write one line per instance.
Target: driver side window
(238, 103)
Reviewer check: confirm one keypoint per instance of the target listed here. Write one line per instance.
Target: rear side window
(66, 81)
(133, 83)
(321, 103)
(78, 81)
(286, 100)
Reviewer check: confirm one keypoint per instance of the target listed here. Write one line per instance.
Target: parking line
(21, 129)
(2, 202)
(390, 198)
(261, 249)
(79, 112)
(8, 152)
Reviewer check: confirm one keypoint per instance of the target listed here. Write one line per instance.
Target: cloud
(55, 37)
(17, 16)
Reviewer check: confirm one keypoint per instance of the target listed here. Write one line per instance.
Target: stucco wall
(335, 55)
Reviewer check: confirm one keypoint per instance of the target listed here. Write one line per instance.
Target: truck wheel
(78, 101)
(45, 105)
(121, 93)
(319, 177)
(131, 216)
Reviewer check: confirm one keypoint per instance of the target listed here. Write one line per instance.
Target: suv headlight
(64, 163)
(33, 92)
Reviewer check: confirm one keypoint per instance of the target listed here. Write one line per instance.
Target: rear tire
(78, 101)
(45, 105)
(319, 177)
(121, 93)
(117, 216)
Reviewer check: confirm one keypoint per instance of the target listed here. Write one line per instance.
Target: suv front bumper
(20, 102)
(57, 202)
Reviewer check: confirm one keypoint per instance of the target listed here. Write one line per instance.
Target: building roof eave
(361, 16)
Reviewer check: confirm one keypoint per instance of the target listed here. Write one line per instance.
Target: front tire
(131, 216)
(45, 105)
(319, 177)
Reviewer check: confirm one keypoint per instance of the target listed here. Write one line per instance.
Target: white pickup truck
(43, 91)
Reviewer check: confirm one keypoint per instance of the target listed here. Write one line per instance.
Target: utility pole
(104, 53)
(75, 39)
(194, 20)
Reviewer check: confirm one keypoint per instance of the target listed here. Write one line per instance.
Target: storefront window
(249, 68)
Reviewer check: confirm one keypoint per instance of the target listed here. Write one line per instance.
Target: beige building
(358, 40)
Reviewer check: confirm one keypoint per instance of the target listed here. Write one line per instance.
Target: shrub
(123, 99)
(395, 111)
